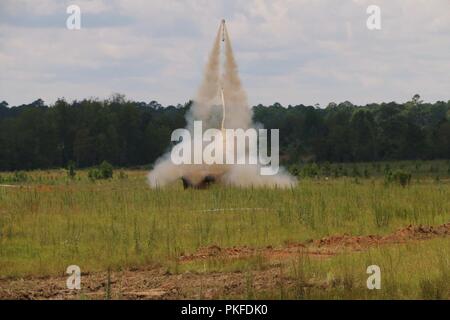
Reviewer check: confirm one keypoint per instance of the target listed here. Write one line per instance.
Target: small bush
(310, 170)
(19, 176)
(94, 174)
(103, 171)
(355, 172)
(402, 177)
(106, 170)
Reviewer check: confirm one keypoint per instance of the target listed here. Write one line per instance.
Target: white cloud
(302, 51)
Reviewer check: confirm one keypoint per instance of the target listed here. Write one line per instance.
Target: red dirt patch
(400, 236)
(327, 246)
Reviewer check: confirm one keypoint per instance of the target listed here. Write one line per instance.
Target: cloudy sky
(290, 51)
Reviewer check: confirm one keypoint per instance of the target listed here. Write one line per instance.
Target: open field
(312, 241)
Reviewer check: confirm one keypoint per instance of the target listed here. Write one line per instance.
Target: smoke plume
(207, 107)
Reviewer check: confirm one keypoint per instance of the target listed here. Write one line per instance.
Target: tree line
(129, 133)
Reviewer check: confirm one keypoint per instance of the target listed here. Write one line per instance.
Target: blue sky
(292, 52)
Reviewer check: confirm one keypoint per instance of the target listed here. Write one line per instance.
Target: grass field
(48, 222)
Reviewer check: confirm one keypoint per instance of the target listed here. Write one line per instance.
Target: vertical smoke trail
(239, 112)
(209, 89)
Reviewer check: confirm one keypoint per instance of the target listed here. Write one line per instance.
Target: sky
(288, 51)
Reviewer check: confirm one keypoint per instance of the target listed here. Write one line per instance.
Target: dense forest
(127, 133)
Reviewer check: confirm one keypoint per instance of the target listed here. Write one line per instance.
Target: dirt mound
(324, 247)
(402, 235)
(216, 251)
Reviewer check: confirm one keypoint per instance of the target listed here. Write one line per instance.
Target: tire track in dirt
(155, 282)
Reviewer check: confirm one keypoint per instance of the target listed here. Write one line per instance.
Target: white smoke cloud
(238, 116)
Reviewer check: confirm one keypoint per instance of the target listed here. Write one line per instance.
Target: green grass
(52, 222)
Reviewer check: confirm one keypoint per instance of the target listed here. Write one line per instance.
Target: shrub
(402, 177)
(19, 176)
(106, 170)
(94, 174)
(310, 170)
(355, 171)
(326, 169)
(103, 171)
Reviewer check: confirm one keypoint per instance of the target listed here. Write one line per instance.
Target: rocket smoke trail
(209, 89)
(221, 102)
(234, 93)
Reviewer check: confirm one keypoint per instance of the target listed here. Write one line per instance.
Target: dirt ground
(155, 282)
